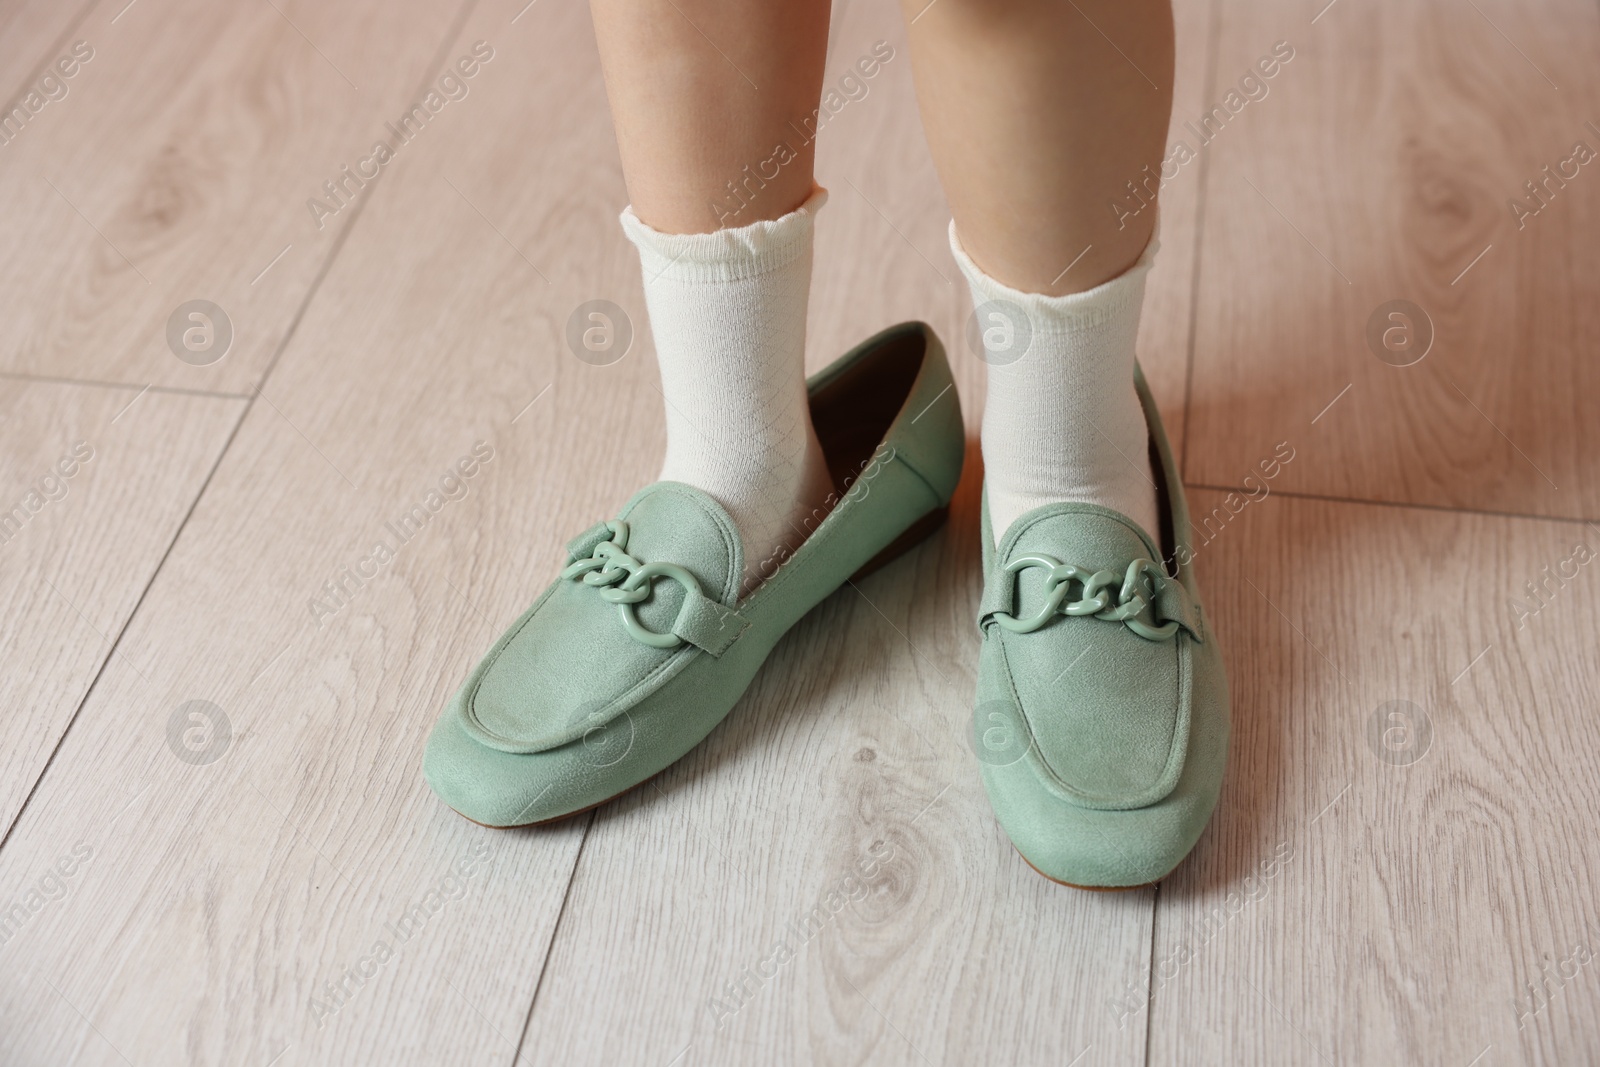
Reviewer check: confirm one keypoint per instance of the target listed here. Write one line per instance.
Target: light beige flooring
(1404, 865)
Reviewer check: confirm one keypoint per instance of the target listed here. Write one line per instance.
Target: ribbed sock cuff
(1089, 308)
(726, 255)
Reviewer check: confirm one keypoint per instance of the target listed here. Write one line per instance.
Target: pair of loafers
(1101, 717)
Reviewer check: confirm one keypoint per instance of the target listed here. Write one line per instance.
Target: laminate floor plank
(234, 854)
(180, 167)
(94, 485)
(33, 35)
(252, 907)
(233, 909)
(1383, 166)
(1402, 866)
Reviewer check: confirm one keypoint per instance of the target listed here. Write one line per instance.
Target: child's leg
(703, 93)
(1039, 113)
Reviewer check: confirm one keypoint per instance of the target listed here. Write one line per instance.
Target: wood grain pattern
(1383, 893)
(180, 165)
(215, 909)
(1379, 168)
(849, 749)
(32, 35)
(94, 484)
(242, 887)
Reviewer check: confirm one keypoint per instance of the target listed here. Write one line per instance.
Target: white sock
(1062, 421)
(728, 312)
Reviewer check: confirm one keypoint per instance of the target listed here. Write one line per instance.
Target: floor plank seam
(340, 239)
(434, 63)
(1457, 725)
(56, 48)
(555, 934)
(1150, 974)
(127, 623)
(174, 390)
(1446, 508)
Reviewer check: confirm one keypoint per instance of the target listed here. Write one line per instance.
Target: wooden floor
(1404, 865)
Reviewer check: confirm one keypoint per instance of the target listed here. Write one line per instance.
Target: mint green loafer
(1101, 724)
(641, 645)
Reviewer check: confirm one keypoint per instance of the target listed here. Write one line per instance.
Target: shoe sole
(569, 815)
(912, 536)
(1086, 888)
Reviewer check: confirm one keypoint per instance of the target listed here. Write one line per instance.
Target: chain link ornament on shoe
(625, 581)
(1133, 606)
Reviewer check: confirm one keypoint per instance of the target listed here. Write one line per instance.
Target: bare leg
(1038, 114)
(693, 109)
(709, 98)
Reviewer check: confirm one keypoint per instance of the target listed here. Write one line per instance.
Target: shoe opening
(853, 411)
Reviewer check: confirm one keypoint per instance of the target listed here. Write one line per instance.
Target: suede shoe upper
(641, 645)
(1125, 748)
(575, 625)
(1101, 721)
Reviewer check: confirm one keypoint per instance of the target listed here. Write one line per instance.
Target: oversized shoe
(642, 646)
(1101, 724)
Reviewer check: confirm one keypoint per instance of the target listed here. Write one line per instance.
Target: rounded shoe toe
(497, 788)
(1095, 847)
(1108, 846)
